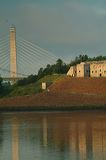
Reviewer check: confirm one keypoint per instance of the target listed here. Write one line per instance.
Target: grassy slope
(65, 92)
(34, 87)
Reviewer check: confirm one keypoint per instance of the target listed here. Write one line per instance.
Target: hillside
(33, 88)
(65, 92)
(80, 85)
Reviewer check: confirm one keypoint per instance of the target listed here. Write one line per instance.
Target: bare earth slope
(66, 92)
(81, 85)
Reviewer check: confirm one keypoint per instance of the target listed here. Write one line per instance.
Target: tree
(31, 79)
(1, 86)
(58, 66)
(40, 73)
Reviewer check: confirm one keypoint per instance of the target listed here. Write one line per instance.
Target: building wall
(86, 70)
(72, 71)
(89, 69)
(80, 70)
(98, 69)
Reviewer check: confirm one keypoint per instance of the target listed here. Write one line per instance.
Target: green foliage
(98, 58)
(83, 58)
(79, 59)
(59, 68)
(34, 87)
(1, 85)
(28, 80)
(32, 84)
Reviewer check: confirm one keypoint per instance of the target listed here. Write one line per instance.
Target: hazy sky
(67, 28)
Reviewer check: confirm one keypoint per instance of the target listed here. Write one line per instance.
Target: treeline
(58, 68)
(84, 58)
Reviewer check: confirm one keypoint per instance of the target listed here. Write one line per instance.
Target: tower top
(13, 56)
(12, 28)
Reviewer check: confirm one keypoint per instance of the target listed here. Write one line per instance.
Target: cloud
(71, 25)
(101, 11)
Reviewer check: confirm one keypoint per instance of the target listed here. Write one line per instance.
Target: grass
(34, 87)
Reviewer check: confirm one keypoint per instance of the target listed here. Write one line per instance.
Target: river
(53, 136)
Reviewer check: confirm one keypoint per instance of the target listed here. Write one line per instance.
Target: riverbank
(66, 93)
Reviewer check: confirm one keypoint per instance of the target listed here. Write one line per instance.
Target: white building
(88, 69)
(72, 71)
(98, 69)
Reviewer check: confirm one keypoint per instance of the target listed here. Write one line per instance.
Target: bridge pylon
(13, 53)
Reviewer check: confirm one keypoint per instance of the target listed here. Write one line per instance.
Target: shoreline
(52, 109)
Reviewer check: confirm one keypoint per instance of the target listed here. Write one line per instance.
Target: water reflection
(73, 140)
(45, 131)
(44, 136)
(82, 140)
(99, 140)
(15, 139)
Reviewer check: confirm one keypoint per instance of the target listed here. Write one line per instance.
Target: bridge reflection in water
(15, 139)
(44, 136)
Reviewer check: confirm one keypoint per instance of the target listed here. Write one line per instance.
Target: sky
(66, 28)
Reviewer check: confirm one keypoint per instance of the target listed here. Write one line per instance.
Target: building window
(79, 71)
(100, 70)
(100, 74)
(95, 71)
(92, 71)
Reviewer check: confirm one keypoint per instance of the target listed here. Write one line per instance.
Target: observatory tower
(13, 55)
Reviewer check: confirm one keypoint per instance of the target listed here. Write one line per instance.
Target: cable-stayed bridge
(20, 58)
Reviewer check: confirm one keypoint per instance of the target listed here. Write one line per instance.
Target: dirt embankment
(65, 92)
(80, 85)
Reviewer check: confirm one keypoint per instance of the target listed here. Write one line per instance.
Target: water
(53, 136)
